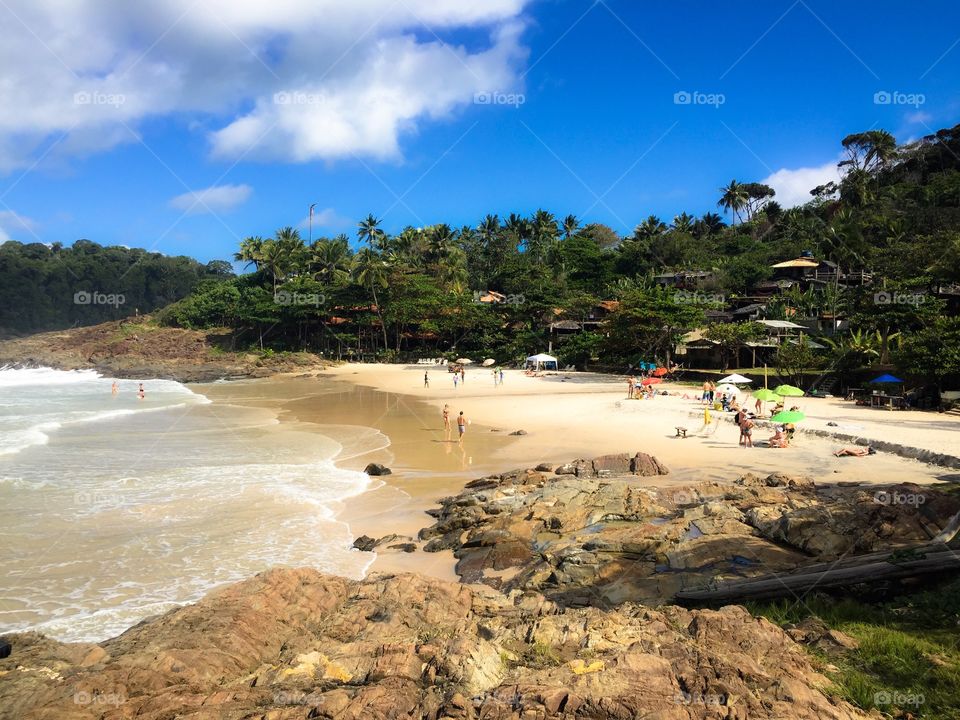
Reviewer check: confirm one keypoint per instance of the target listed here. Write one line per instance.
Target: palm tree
(330, 260)
(369, 230)
(570, 226)
(683, 223)
(370, 271)
(250, 251)
(649, 228)
(275, 257)
(734, 198)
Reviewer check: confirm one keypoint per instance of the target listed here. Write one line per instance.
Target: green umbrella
(766, 395)
(788, 391)
(788, 416)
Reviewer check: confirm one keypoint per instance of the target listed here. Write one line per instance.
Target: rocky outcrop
(601, 532)
(296, 644)
(140, 348)
(376, 469)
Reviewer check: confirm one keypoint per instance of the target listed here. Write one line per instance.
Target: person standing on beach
(463, 375)
(456, 378)
(140, 392)
(446, 420)
(630, 384)
(461, 424)
(501, 376)
(746, 432)
(426, 379)
(706, 392)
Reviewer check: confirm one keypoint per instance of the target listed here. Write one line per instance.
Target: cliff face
(137, 348)
(298, 644)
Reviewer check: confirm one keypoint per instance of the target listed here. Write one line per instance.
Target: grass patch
(908, 660)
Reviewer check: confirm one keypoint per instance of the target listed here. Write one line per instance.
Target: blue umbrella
(886, 379)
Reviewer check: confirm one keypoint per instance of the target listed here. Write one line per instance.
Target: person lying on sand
(855, 452)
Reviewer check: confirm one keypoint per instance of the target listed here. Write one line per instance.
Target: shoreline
(589, 417)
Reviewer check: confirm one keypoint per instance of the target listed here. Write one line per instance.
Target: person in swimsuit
(446, 417)
(426, 379)
(141, 393)
(501, 376)
(746, 430)
(114, 389)
(461, 424)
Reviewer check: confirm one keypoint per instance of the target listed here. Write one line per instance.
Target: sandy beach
(565, 416)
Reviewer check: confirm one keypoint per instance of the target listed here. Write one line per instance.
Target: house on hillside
(806, 270)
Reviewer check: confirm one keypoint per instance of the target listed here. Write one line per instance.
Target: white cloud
(919, 117)
(98, 68)
(219, 198)
(793, 186)
(14, 226)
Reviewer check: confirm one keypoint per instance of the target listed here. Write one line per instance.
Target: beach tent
(542, 361)
(886, 380)
(735, 379)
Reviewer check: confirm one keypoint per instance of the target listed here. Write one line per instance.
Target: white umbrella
(728, 389)
(735, 379)
(464, 361)
(488, 362)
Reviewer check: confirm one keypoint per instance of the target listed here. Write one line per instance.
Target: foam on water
(126, 508)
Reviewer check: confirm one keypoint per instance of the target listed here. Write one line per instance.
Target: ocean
(113, 508)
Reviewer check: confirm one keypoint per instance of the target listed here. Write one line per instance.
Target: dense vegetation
(52, 287)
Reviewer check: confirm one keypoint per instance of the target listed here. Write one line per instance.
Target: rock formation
(296, 644)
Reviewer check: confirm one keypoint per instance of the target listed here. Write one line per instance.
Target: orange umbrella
(651, 381)
(660, 372)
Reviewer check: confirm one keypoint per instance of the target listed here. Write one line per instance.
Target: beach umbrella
(488, 362)
(735, 379)
(765, 395)
(651, 381)
(660, 372)
(788, 416)
(788, 391)
(464, 361)
(728, 389)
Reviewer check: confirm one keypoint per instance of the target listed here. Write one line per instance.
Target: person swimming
(141, 393)
(114, 388)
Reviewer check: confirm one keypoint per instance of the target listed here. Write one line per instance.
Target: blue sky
(379, 107)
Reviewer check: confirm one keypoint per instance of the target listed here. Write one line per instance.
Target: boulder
(519, 432)
(365, 543)
(376, 469)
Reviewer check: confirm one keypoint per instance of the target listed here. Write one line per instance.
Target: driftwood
(902, 563)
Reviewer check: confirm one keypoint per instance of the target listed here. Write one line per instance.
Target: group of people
(462, 422)
(636, 390)
(115, 390)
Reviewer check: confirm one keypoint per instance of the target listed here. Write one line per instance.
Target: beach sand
(565, 416)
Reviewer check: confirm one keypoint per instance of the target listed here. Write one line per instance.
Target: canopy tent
(735, 379)
(886, 380)
(542, 361)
